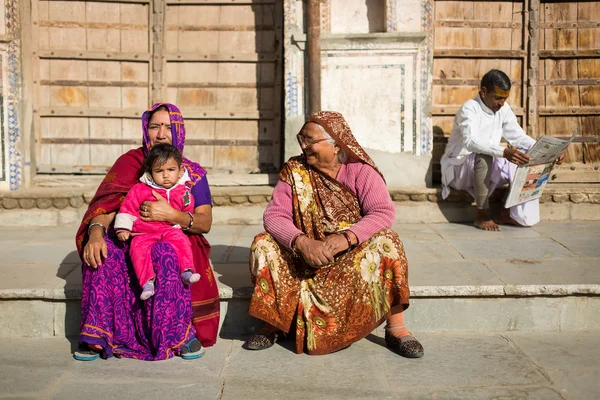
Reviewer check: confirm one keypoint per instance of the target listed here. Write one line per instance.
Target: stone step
(455, 308)
(244, 205)
(462, 279)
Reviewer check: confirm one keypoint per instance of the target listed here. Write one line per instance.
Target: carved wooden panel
(98, 65)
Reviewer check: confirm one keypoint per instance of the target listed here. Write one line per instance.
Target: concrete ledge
(226, 292)
(46, 318)
(410, 211)
(52, 198)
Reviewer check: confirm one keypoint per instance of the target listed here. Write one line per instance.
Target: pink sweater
(376, 205)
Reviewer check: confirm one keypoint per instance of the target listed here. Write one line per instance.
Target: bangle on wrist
(345, 234)
(93, 224)
(187, 228)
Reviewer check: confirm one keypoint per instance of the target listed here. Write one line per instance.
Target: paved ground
(438, 255)
(510, 366)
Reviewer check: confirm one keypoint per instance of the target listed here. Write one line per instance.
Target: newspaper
(531, 179)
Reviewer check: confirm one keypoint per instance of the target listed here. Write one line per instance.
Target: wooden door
(223, 68)
(550, 50)
(91, 63)
(470, 38)
(569, 83)
(99, 64)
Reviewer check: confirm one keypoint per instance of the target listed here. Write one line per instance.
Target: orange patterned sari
(337, 305)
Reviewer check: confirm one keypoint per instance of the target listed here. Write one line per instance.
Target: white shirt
(477, 129)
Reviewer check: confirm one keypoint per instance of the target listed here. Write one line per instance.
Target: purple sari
(112, 315)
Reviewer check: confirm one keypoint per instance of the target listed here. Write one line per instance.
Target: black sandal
(406, 346)
(261, 341)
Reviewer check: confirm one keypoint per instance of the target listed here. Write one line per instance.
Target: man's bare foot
(485, 222)
(504, 218)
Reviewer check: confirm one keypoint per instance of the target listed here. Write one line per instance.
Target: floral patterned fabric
(334, 306)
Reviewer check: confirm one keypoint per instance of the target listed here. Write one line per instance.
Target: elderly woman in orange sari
(329, 268)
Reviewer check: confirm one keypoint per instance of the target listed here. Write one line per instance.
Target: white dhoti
(462, 177)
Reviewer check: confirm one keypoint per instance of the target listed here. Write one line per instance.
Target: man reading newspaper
(475, 161)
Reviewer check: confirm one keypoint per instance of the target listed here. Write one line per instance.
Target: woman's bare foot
(485, 222)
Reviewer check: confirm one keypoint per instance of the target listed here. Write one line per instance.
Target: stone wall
(261, 195)
(12, 145)
(376, 65)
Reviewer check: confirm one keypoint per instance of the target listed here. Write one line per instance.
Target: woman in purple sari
(177, 320)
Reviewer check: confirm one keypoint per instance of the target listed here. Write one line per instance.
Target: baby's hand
(123, 235)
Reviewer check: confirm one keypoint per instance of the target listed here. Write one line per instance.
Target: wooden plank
(493, 11)
(561, 126)
(568, 82)
(569, 110)
(218, 2)
(589, 95)
(101, 154)
(221, 28)
(576, 173)
(136, 113)
(105, 1)
(452, 110)
(89, 112)
(190, 142)
(452, 38)
(93, 83)
(466, 82)
(479, 53)
(492, 39)
(38, 11)
(567, 25)
(221, 85)
(224, 57)
(68, 128)
(591, 151)
(562, 96)
(453, 10)
(587, 53)
(478, 24)
(93, 25)
(92, 55)
(158, 41)
(588, 68)
(83, 169)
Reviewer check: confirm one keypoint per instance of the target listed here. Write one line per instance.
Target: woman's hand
(95, 250)
(159, 210)
(315, 252)
(336, 243)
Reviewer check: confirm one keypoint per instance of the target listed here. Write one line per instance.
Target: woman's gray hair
(341, 154)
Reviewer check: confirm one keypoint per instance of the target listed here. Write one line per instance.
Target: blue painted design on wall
(12, 94)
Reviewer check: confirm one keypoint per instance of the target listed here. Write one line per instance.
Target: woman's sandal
(86, 353)
(191, 350)
(406, 346)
